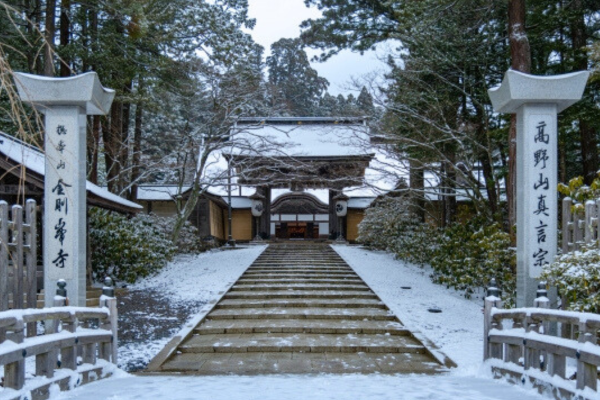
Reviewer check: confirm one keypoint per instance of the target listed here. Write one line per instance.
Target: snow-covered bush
(188, 241)
(463, 256)
(469, 255)
(127, 249)
(577, 277)
(390, 225)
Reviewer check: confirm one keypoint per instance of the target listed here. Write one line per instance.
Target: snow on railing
(71, 346)
(521, 345)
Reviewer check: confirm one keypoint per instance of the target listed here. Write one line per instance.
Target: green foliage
(391, 226)
(127, 249)
(470, 255)
(577, 277)
(579, 192)
(463, 256)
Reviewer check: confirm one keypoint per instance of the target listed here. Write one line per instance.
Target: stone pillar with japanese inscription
(65, 102)
(536, 100)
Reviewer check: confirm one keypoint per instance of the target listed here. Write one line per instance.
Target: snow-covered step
(282, 281)
(304, 342)
(301, 363)
(298, 274)
(301, 326)
(374, 314)
(297, 294)
(328, 303)
(299, 286)
(297, 310)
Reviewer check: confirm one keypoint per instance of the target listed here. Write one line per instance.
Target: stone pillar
(536, 100)
(265, 218)
(333, 218)
(65, 103)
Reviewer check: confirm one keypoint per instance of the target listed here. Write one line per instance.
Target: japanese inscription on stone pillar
(542, 202)
(62, 169)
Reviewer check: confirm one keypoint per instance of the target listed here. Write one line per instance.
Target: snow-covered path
(290, 387)
(457, 330)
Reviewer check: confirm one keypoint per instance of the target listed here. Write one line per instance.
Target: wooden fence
(519, 345)
(580, 227)
(78, 345)
(18, 256)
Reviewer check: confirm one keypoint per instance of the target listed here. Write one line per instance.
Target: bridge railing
(71, 346)
(520, 345)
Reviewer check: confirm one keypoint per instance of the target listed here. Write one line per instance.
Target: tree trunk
(137, 149)
(93, 146)
(417, 188)
(520, 61)
(49, 36)
(65, 31)
(587, 133)
(124, 139)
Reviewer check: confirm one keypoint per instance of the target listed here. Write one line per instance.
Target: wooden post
(31, 260)
(587, 375)
(578, 227)
(566, 224)
(590, 220)
(17, 256)
(3, 262)
(14, 373)
(514, 351)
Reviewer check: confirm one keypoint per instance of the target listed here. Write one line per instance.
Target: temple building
(298, 170)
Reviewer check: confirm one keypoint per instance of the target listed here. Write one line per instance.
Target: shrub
(577, 277)
(127, 249)
(390, 225)
(470, 255)
(463, 256)
(188, 241)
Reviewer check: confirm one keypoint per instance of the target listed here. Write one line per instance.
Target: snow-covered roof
(238, 202)
(360, 202)
(300, 137)
(160, 193)
(34, 160)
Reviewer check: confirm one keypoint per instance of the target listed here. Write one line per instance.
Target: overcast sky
(281, 18)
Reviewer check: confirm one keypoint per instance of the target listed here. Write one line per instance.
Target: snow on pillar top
(83, 91)
(518, 88)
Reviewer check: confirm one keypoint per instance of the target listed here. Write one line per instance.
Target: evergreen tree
(294, 81)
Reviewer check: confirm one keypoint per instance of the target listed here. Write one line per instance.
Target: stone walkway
(299, 308)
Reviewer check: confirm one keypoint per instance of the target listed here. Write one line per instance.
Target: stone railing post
(491, 301)
(108, 300)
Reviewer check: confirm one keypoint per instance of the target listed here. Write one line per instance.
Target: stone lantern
(341, 210)
(258, 207)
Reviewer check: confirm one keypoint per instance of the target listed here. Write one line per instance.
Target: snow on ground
(291, 387)
(457, 330)
(408, 291)
(157, 306)
(201, 277)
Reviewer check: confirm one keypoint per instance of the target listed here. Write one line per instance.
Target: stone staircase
(299, 308)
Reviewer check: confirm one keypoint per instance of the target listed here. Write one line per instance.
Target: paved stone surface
(300, 308)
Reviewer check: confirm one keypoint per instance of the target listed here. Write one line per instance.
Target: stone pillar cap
(518, 88)
(82, 90)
